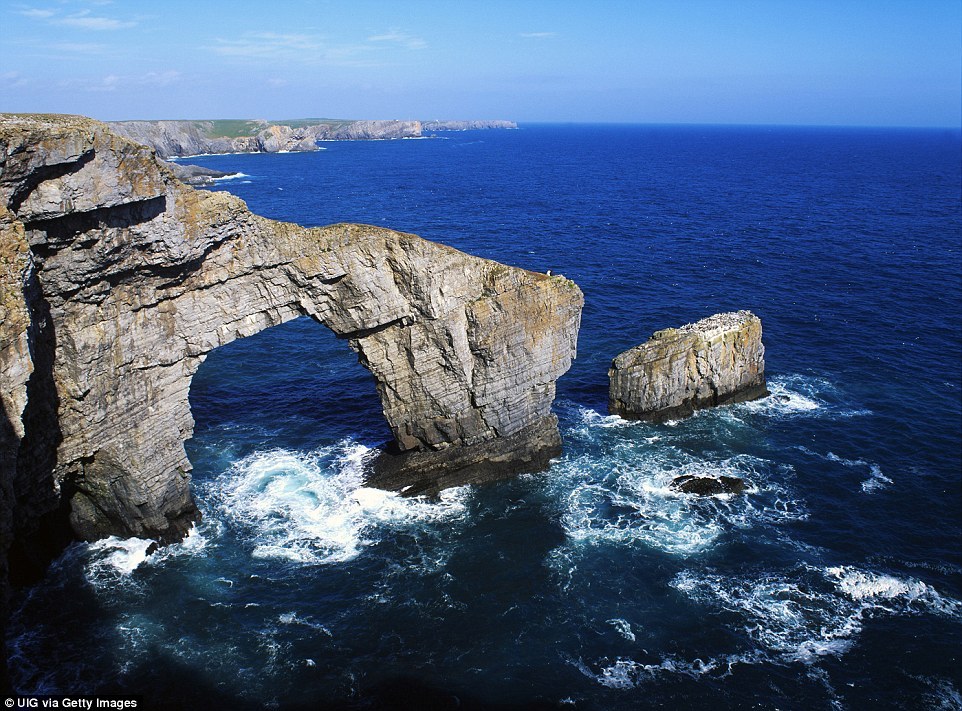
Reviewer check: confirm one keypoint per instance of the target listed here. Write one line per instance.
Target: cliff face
(715, 361)
(186, 138)
(465, 125)
(117, 280)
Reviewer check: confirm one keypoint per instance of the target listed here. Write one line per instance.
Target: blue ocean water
(834, 582)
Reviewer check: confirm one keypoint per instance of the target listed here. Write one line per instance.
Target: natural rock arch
(118, 280)
(296, 380)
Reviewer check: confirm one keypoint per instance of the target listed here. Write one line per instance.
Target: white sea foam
(626, 673)
(292, 618)
(231, 176)
(801, 396)
(796, 616)
(808, 613)
(876, 480)
(786, 399)
(625, 497)
(593, 418)
(114, 556)
(313, 508)
(888, 593)
(623, 627)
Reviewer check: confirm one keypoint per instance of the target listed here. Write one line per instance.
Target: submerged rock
(118, 280)
(716, 361)
(708, 485)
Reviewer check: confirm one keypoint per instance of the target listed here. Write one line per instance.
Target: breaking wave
(796, 616)
(313, 508)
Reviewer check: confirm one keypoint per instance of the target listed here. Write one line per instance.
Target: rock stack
(716, 361)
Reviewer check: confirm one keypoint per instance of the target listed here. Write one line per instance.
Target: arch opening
(294, 386)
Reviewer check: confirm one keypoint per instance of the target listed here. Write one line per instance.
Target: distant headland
(173, 139)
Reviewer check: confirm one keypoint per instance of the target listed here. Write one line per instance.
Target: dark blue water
(835, 582)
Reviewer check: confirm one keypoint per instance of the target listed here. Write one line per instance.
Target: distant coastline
(176, 139)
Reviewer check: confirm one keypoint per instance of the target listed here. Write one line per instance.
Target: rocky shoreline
(189, 138)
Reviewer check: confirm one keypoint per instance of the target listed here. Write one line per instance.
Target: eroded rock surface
(117, 280)
(715, 361)
(195, 174)
(187, 138)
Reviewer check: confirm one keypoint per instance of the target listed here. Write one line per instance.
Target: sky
(798, 62)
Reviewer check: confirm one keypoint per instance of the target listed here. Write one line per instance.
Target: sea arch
(129, 278)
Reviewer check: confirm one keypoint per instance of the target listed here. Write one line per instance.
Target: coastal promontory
(118, 280)
(715, 361)
(186, 138)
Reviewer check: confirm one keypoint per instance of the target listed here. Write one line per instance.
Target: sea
(833, 582)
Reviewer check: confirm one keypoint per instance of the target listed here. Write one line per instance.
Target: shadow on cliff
(41, 529)
(42, 173)
(60, 231)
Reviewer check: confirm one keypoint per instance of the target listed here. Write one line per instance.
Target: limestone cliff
(466, 125)
(195, 174)
(715, 361)
(186, 138)
(117, 280)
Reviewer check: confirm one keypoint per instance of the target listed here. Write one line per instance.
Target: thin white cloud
(78, 47)
(399, 38)
(108, 83)
(13, 80)
(301, 48)
(267, 45)
(86, 21)
(538, 35)
(82, 19)
(165, 78)
(36, 13)
(113, 82)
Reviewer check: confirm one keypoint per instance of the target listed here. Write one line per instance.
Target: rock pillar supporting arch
(139, 277)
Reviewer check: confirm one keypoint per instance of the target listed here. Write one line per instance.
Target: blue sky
(839, 62)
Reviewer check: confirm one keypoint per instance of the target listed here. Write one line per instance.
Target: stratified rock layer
(715, 361)
(117, 280)
(186, 138)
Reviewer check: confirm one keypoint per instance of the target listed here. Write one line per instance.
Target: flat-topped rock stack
(715, 361)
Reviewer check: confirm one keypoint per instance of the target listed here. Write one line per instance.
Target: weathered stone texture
(118, 280)
(186, 138)
(715, 361)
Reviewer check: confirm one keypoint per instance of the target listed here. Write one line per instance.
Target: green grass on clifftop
(235, 128)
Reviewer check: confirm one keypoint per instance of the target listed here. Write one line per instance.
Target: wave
(876, 480)
(116, 556)
(231, 176)
(618, 491)
(811, 612)
(790, 396)
(798, 616)
(624, 673)
(313, 508)
(801, 395)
